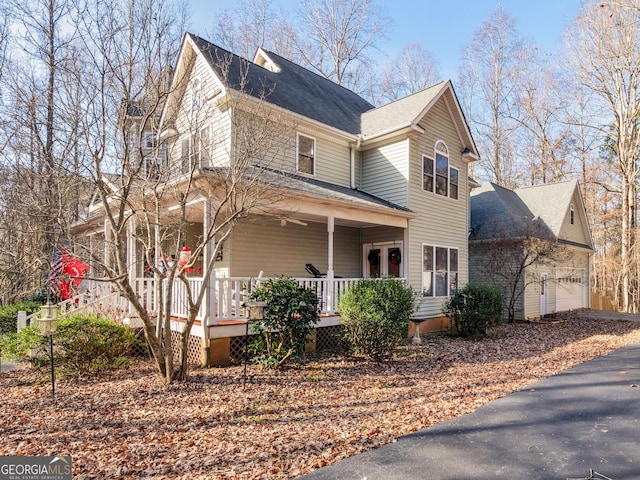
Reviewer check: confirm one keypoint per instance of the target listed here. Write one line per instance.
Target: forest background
(537, 116)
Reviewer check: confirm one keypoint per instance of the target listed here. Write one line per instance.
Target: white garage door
(571, 289)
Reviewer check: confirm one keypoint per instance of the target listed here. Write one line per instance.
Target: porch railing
(223, 302)
(230, 293)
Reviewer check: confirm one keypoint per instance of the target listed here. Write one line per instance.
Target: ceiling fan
(283, 222)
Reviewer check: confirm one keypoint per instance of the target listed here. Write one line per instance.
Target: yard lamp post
(254, 312)
(47, 327)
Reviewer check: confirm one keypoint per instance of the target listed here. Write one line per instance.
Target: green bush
(290, 315)
(9, 314)
(17, 346)
(475, 308)
(375, 315)
(82, 344)
(86, 343)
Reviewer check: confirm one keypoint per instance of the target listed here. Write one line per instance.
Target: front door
(544, 294)
(383, 259)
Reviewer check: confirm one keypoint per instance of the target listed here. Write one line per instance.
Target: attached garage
(571, 289)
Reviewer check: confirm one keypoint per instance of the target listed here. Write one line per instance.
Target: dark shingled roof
(320, 189)
(499, 213)
(294, 87)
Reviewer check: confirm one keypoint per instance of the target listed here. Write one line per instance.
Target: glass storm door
(383, 260)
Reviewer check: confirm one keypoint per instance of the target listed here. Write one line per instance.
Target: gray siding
(482, 270)
(333, 162)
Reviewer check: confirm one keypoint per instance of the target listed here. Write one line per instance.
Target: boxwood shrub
(375, 315)
(475, 308)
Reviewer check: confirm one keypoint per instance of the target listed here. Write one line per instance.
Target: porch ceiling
(315, 210)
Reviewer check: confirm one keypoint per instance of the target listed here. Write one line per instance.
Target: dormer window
(306, 155)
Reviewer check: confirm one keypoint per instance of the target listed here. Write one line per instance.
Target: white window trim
(449, 183)
(185, 169)
(433, 176)
(433, 266)
(444, 151)
(315, 154)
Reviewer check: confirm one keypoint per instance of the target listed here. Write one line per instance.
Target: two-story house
(364, 191)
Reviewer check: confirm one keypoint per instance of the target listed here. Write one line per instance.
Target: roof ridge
(571, 180)
(413, 94)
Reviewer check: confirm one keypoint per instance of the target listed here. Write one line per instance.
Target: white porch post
(92, 267)
(132, 260)
(405, 255)
(330, 307)
(210, 300)
(131, 252)
(107, 243)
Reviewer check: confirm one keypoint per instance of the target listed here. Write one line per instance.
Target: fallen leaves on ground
(128, 424)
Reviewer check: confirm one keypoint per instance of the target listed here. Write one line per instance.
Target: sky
(441, 26)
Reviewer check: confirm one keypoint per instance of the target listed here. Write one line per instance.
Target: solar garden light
(47, 327)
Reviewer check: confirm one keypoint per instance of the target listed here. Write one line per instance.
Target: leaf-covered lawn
(285, 423)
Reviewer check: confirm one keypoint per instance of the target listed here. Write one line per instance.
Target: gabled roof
(400, 113)
(498, 213)
(286, 85)
(539, 211)
(407, 112)
(550, 202)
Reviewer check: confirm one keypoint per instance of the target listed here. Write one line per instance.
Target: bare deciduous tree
(489, 78)
(335, 38)
(252, 24)
(603, 52)
(413, 69)
(512, 258)
(37, 147)
(540, 102)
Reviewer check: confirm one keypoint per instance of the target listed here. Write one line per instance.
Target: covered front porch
(344, 234)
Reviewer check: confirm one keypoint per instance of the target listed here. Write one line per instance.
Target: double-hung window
(427, 174)
(572, 214)
(439, 271)
(437, 174)
(442, 169)
(306, 155)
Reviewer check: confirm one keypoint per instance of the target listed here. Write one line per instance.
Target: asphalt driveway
(582, 423)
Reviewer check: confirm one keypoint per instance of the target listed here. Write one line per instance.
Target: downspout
(352, 151)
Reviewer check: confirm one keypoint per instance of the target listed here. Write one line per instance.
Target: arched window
(442, 170)
(437, 176)
(572, 214)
